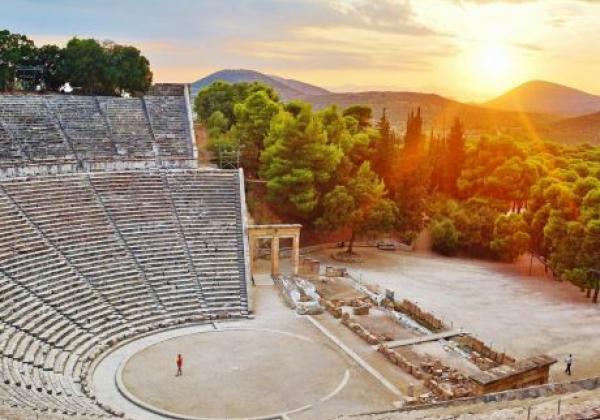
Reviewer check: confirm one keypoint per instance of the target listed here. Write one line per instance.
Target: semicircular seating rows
(90, 259)
(79, 129)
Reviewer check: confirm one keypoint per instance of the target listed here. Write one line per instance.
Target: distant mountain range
(583, 129)
(548, 98)
(287, 88)
(537, 104)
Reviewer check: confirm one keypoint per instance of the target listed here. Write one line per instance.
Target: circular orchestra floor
(233, 373)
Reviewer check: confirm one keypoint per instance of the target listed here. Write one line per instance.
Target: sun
(495, 62)
(490, 67)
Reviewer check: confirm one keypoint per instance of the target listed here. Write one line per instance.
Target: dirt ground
(513, 311)
(234, 374)
(275, 363)
(379, 323)
(434, 351)
(337, 288)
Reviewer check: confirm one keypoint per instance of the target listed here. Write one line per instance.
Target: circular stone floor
(241, 373)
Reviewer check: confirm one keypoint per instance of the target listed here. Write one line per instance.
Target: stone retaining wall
(166, 89)
(495, 358)
(310, 267)
(57, 168)
(419, 315)
(538, 391)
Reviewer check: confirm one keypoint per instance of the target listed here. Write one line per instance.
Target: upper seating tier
(81, 132)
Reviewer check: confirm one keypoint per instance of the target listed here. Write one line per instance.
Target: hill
(287, 88)
(438, 112)
(583, 129)
(546, 97)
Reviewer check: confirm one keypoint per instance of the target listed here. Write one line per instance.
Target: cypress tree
(455, 157)
(414, 133)
(385, 151)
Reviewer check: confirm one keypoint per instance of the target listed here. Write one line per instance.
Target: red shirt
(179, 361)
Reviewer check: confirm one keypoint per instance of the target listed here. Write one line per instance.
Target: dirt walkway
(205, 157)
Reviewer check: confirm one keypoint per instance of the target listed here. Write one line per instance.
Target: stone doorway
(275, 233)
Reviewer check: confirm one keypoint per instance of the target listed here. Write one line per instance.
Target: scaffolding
(229, 158)
(30, 78)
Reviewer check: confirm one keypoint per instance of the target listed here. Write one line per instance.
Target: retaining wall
(537, 391)
(56, 168)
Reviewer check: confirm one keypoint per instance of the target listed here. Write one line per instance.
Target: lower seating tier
(92, 259)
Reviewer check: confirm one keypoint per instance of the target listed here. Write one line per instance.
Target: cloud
(528, 47)
(557, 22)
(383, 15)
(493, 1)
(346, 47)
(333, 42)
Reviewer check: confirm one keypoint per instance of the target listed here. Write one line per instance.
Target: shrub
(444, 236)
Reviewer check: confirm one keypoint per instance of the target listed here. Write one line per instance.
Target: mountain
(287, 88)
(546, 97)
(583, 129)
(438, 112)
(301, 87)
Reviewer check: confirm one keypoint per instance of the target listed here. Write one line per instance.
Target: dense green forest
(90, 66)
(346, 170)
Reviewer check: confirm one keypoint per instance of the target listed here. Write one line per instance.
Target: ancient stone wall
(526, 372)
(166, 89)
(425, 318)
(310, 267)
(57, 168)
(486, 357)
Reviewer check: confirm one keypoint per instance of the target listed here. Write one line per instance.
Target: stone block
(361, 310)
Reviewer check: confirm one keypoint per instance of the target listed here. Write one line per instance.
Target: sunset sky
(466, 49)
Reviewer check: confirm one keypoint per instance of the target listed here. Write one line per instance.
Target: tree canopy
(298, 160)
(15, 50)
(360, 205)
(88, 65)
(491, 196)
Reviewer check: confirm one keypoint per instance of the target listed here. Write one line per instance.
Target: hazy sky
(467, 49)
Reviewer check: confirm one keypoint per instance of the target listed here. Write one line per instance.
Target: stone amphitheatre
(118, 251)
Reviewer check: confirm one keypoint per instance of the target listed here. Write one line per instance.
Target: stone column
(275, 256)
(296, 253)
(252, 242)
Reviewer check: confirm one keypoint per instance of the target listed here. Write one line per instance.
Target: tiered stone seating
(85, 130)
(73, 219)
(127, 242)
(53, 319)
(36, 342)
(84, 124)
(166, 89)
(129, 127)
(170, 126)
(207, 205)
(89, 259)
(139, 206)
(31, 124)
(8, 412)
(9, 148)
